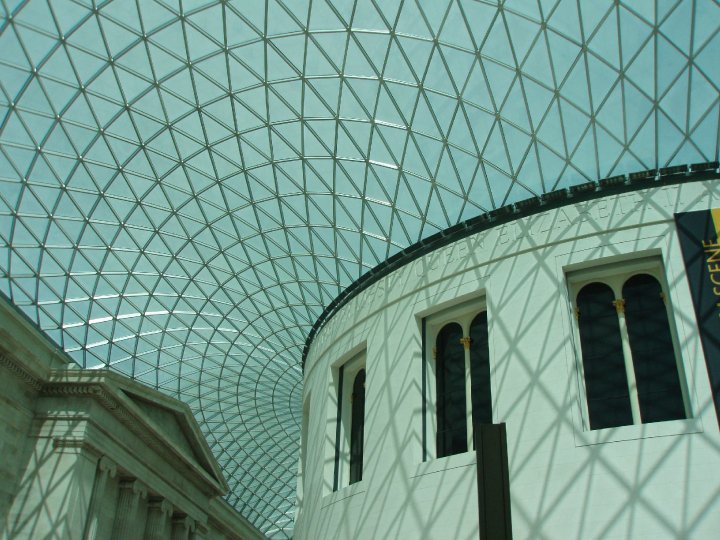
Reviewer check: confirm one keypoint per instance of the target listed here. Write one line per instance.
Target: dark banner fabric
(698, 233)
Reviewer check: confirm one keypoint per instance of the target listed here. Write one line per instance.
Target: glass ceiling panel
(185, 185)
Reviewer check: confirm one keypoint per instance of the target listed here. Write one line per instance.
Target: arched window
(357, 427)
(628, 350)
(480, 370)
(450, 385)
(349, 439)
(656, 374)
(606, 384)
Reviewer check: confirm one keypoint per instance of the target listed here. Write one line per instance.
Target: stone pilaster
(104, 501)
(131, 511)
(201, 532)
(159, 524)
(55, 491)
(182, 527)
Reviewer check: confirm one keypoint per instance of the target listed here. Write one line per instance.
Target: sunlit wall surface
(644, 475)
(185, 185)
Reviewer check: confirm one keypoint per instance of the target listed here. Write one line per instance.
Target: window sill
(456, 461)
(641, 431)
(344, 493)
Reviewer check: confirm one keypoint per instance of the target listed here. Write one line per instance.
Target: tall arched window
(350, 427)
(629, 355)
(450, 385)
(357, 427)
(656, 374)
(461, 365)
(608, 396)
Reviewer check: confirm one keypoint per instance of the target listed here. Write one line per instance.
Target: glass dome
(185, 185)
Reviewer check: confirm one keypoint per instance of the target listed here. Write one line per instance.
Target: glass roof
(185, 185)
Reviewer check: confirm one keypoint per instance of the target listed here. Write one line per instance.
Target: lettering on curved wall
(699, 234)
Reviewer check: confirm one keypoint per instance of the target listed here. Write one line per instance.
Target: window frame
(344, 372)
(433, 322)
(615, 274)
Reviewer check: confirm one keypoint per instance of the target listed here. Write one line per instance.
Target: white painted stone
(643, 481)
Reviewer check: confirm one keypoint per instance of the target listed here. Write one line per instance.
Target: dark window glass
(653, 355)
(480, 370)
(357, 427)
(338, 428)
(608, 397)
(450, 370)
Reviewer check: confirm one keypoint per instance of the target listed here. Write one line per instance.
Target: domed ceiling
(184, 186)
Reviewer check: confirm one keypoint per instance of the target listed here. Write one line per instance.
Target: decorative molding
(152, 438)
(466, 341)
(107, 466)
(619, 305)
(163, 505)
(185, 522)
(12, 364)
(71, 445)
(94, 390)
(137, 487)
(166, 507)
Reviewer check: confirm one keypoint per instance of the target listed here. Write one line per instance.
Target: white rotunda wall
(566, 481)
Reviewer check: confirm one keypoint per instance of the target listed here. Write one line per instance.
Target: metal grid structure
(185, 185)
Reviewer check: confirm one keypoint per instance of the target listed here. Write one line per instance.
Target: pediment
(176, 425)
(163, 422)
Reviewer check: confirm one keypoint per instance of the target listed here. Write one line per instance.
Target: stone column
(159, 525)
(131, 511)
(201, 533)
(104, 501)
(182, 527)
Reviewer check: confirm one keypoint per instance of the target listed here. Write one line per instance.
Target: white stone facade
(90, 454)
(656, 480)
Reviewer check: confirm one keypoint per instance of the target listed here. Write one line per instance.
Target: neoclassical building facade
(90, 454)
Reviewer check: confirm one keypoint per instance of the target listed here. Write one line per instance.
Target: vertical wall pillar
(131, 511)
(55, 491)
(201, 532)
(182, 527)
(104, 501)
(159, 525)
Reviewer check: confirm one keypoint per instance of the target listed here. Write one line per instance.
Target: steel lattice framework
(184, 186)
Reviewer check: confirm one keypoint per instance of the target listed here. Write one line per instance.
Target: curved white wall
(651, 481)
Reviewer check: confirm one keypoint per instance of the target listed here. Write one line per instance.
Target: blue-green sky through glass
(185, 185)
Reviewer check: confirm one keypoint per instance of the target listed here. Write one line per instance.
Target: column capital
(166, 507)
(163, 505)
(186, 522)
(137, 487)
(107, 466)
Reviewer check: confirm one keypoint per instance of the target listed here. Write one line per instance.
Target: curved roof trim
(511, 212)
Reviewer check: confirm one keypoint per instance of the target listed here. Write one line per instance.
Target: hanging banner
(699, 234)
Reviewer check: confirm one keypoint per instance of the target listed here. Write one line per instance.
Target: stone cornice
(73, 444)
(97, 386)
(12, 364)
(93, 390)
